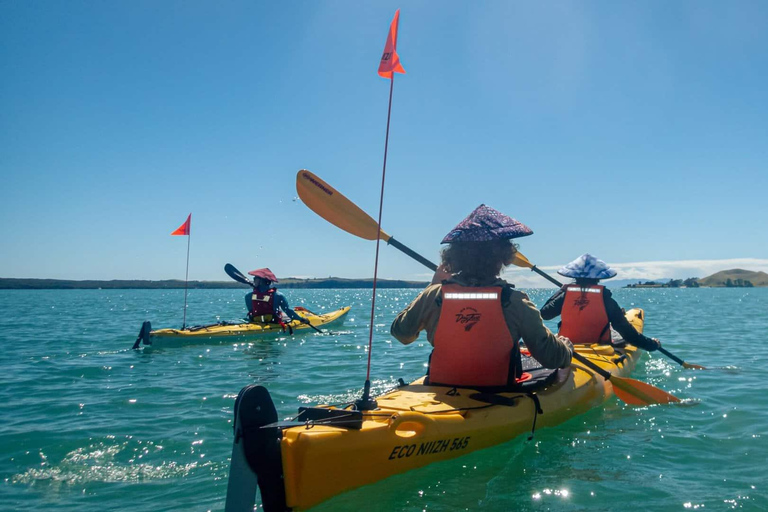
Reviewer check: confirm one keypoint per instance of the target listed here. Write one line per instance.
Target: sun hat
(587, 266)
(485, 224)
(264, 273)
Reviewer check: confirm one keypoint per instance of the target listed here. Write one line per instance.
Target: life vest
(473, 345)
(583, 317)
(263, 306)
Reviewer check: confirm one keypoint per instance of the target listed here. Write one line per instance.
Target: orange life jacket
(473, 346)
(583, 317)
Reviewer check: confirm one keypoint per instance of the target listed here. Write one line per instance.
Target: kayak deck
(229, 331)
(413, 426)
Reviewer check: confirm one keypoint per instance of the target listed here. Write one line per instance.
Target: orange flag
(184, 229)
(390, 61)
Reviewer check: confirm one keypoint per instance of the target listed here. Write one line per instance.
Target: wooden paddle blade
(635, 392)
(331, 205)
(692, 366)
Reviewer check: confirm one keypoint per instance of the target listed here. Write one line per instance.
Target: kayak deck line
(318, 454)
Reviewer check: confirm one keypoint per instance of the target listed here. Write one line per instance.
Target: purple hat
(264, 273)
(485, 224)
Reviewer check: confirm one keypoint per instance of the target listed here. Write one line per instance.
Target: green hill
(736, 277)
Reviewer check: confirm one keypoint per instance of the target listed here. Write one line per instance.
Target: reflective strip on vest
(472, 296)
(583, 317)
(473, 346)
(586, 290)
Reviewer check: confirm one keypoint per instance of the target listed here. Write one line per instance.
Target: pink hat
(264, 273)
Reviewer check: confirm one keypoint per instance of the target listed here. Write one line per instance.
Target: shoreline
(175, 284)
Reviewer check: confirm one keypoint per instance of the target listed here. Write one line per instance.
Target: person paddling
(265, 302)
(587, 309)
(473, 318)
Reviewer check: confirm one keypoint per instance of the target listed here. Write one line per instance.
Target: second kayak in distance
(226, 331)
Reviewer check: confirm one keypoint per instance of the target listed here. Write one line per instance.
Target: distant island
(734, 278)
(289, 282)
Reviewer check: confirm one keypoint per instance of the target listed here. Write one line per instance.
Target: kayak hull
(244, 331)
(416, 425)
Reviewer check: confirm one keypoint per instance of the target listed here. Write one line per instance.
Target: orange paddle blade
(521, 261)
(635, 392)
(331, 205)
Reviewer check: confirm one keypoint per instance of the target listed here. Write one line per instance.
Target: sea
(88, 424)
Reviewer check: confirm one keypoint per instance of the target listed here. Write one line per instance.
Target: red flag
(184, 229)
(390, 61)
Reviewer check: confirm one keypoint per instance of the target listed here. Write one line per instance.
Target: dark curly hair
(480, 261)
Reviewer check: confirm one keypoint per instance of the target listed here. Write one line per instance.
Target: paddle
(237, 275)
(631, 391)
(522, 261)
(240, 278)
(331, 205)
(679, 361)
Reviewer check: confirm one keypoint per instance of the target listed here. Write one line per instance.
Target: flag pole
(186, 281)
(390, 64)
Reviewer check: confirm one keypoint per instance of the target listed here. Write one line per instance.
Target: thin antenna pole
(186, 282)
(366, 402)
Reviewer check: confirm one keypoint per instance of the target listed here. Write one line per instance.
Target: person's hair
(479, 260)
(586, 281)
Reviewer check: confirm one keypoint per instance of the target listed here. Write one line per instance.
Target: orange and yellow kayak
(326, 450)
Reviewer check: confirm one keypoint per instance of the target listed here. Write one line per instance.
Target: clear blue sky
(634, 131)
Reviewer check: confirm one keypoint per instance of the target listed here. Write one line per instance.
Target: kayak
(225, 331)
(326, 450)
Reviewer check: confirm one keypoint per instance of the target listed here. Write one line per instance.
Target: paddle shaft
(592, 366)
(413, 254)
(546, 276)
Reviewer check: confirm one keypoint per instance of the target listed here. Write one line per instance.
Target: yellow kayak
(325, 451)
(233, 331)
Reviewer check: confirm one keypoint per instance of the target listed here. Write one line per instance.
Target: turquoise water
(87, 424)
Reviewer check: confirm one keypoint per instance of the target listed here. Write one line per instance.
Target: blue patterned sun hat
(485, 224)
(587, 266)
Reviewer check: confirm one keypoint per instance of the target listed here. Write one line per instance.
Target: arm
(619, 322)
(282, 303)
(249, 302)
(554, 305)
(422, 312)
(550, 350)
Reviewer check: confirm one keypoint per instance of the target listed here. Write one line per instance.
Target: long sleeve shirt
(554, 306)
(522, 318)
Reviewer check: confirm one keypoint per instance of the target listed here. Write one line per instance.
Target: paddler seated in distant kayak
(473, 318)
(265, 302)
(587, 309)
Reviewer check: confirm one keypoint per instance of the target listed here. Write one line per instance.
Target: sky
(633, 131)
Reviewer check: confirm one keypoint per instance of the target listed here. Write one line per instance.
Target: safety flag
(390, 61)
(184, 229)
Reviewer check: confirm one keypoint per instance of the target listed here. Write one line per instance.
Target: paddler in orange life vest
(265, 302)
(587, 309)
(473, 318)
